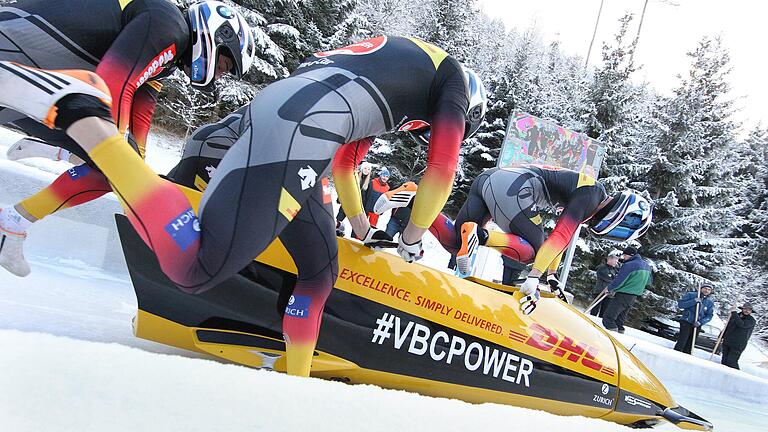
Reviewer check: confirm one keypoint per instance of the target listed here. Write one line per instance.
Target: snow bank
(671, 366)
(69, 385)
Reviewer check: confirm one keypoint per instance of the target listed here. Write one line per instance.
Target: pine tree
(690, 239)
(447, 26)
(614, 111)
(753, 179)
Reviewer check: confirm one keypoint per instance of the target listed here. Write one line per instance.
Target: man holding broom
(698, 310)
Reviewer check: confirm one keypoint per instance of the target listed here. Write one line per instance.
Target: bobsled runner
(410, 327)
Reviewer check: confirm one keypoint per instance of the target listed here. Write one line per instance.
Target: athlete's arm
(447, 132)
(142, 111)
(582, 205)
(147, 44)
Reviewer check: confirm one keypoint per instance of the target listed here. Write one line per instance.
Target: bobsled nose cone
(685, 419)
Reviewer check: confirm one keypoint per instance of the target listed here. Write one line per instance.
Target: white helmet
(218, 28)
(625, 218)
(478, 102)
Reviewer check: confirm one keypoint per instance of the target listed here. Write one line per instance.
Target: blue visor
(626, 228)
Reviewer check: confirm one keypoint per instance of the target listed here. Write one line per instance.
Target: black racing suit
(130, 44)
(514, 198)
(272, 181)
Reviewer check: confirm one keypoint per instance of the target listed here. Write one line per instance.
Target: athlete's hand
(554, 285)
(530, 285)
(410, 252)
(376, 238)
(531, 295)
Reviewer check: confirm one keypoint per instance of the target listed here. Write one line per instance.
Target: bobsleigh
(409, 327)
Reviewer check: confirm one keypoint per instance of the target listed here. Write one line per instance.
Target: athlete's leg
(77, 185)
(472, 216)
(267, 175)
(311, 242)
(513, 208)
(448, 232)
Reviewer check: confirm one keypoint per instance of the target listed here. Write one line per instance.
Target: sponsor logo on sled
(631, 400)
(418, 339)
(298, 306)
(547, 340)
(78, 172)
(602, 400)
(184, 229)
(605, 389)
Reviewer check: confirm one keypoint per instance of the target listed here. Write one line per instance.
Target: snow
(71, 363)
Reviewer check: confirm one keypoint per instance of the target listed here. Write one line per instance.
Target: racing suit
(131, 45)
(514, 198)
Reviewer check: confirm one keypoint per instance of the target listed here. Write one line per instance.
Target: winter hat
(747, 305)
(384, 172)
(365, 165)
(629, 250)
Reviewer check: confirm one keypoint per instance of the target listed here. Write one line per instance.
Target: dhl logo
(547, 340)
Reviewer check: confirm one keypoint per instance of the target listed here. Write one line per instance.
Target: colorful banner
(532, 140)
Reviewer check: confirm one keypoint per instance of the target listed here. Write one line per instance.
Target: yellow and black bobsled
(407, 326)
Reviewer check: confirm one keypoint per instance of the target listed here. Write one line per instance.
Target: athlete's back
(408, 80)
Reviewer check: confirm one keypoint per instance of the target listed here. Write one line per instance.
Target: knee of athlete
(77, 106)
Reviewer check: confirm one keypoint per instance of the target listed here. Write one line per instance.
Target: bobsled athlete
(131, 46)
(270, 183)
(514, 199)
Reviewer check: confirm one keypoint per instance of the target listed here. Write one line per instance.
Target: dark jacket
(633, 277)
(605, 275)
(738, 331)
(688, 304)
(375, 189)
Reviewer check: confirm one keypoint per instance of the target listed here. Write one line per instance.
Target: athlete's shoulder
(386, 48)
(164, 14)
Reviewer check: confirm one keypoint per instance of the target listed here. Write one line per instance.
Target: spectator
(736, 335)
(631, 281)
(605, 274)
(690, 318)
(378, 186)
(365, 181)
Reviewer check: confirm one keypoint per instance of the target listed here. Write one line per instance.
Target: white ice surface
(69, 361)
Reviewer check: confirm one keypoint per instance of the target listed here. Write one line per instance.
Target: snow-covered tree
(691, 238)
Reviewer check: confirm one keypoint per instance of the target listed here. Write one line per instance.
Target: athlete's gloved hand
(376, 238)
(554, 285)
(531, 295)
(409, 252)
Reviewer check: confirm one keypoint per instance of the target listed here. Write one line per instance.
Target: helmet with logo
(626, 217)
(218, 29)
(478, 102)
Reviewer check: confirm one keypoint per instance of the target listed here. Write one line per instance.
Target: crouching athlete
(514, 199)
(269, 182)
(134, 45)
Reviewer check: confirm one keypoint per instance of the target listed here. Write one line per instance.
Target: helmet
(218, 28)
(475, 113)
(477, 103)
(626, 217)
